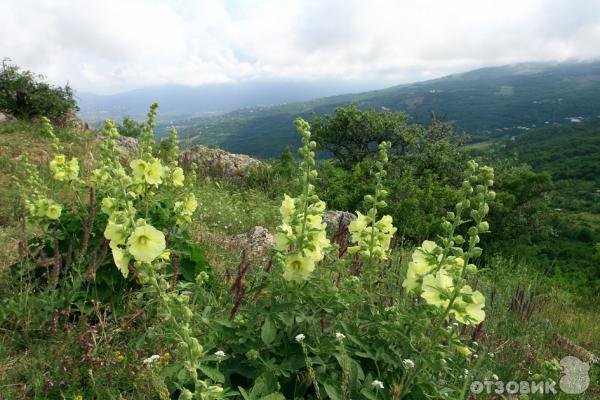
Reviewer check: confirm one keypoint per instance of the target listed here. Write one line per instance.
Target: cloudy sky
(114, 45)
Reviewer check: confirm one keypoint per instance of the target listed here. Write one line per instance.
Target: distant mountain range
(178, 101)
(486, 103)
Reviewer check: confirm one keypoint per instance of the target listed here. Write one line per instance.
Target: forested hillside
(486, 103)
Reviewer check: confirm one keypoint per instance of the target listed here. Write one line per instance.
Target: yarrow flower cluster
(301, 237)
(438, 273)
(372, 237)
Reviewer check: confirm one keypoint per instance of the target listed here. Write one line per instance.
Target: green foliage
(25, 95)
(130, 128)
(352, 135)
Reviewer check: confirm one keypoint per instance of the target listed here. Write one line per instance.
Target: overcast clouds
(113, 45)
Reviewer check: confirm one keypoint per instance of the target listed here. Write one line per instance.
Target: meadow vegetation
(120, 278)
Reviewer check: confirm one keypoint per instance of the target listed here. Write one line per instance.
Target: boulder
(129, 146)
(334, 219)
(6, 118)
(217, 162)
(258, 241)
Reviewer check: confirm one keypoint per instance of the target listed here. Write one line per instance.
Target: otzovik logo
(575, 378)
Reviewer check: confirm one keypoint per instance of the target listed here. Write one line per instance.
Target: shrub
(25, 95)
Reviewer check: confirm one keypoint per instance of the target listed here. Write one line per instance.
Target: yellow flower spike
(146, 243)
(178, 177)
(298, 268)
(53, 211)
(121, 259)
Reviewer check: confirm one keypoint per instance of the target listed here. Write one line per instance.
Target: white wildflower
(340, 336)
(151, 359)
(300, 338)
(220, 353)
(408, 363)
(466, 372)
(377, 384)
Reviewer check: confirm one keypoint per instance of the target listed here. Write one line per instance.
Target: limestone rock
(334, 219)
(217, 162)
(258, 241)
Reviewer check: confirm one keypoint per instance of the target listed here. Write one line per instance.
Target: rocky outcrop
(257, 241)
(334, 219)
(217, 162)
(6, 118)
(129, 146)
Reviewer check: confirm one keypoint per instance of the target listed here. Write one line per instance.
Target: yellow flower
(178, 176)
(166, 255)
(121, 259)
(107, 205)
(468, 306)
(116, 233)
(281, 241)
(298, 268)
(190, 204)
(436, 289)
(315, 221)
(146, 243)
(287, 208)
(53, 211)
(57, 163)
(358, 225)
(316, 245)
(72, 169)
(463, 350)
(417, 269)
(153, 173)
(385, 225)
(138, 168)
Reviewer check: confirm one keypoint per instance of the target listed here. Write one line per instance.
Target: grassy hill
(488, 102)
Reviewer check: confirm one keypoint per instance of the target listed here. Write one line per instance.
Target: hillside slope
(486, 103)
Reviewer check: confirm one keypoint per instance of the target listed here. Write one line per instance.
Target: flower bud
(446, 226)
(483, 227)
(471, 269)
(476, 252)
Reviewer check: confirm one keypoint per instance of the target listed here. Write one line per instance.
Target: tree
(25, 95)
(352, 135)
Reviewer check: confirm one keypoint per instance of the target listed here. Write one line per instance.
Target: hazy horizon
(114, 46)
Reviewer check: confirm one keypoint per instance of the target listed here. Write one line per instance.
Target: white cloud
(113, 45)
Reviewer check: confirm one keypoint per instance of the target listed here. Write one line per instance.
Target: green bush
(25, 95)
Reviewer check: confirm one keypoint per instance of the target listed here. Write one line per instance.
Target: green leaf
(268, 331)
(332, 391)
(212, 373)
(244, 393)
(273, 396)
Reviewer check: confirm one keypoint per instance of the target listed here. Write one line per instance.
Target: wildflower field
(121, 278)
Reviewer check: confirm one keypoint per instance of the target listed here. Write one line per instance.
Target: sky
(110, 46)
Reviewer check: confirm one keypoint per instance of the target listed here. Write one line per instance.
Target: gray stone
(258, 241)
(215, 162)
(334, 219)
